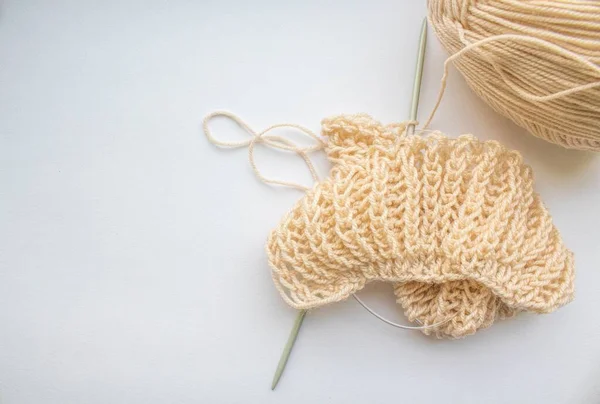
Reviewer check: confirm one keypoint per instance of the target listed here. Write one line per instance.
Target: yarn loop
(273, 141)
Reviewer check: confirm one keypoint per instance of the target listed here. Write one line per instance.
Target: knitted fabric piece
(454, 223)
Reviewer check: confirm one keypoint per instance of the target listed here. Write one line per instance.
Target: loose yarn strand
(273, 141)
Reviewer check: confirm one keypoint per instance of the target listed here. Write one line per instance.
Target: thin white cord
(404, 327)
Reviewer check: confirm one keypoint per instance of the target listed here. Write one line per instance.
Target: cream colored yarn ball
(528, 78)
(454, 223)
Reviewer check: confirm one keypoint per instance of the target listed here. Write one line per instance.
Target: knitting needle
(285, 355)
(288, 348)
(414, 105)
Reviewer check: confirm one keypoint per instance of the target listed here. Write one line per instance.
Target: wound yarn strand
(535, 62)
(522, 93)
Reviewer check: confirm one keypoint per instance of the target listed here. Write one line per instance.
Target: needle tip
(414, 105)
(288, 348)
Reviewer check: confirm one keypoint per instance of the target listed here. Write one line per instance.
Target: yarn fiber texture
(542, 67)
(454, 223)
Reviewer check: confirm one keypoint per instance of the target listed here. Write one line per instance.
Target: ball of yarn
(542, 67)
(455, 224)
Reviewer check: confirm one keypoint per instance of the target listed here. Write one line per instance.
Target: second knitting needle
(414, 104)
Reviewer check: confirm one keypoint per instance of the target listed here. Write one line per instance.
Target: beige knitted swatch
(454, 223)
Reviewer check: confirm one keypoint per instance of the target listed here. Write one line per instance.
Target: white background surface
(131, 250)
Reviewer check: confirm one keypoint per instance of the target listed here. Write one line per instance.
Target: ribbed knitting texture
(454, 223)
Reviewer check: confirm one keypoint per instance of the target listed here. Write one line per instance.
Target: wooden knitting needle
(287, 349)
(414, 106)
